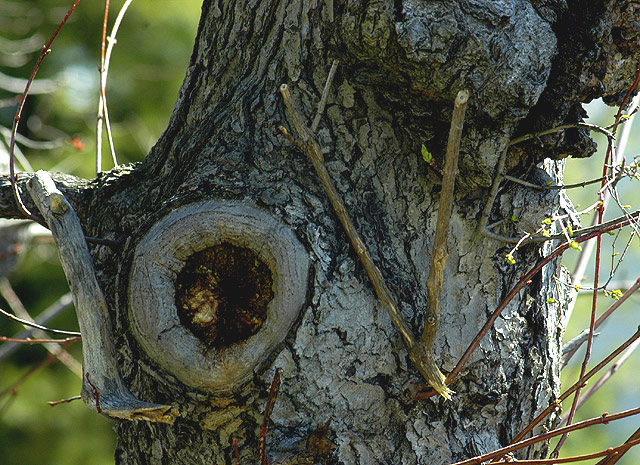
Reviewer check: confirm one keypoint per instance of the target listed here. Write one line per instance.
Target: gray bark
(402, 64)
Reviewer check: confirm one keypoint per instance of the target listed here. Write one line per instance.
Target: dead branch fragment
(98, 352)
(423, 359)
(439, 253)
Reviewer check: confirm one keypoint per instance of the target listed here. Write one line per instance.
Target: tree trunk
(401, 65)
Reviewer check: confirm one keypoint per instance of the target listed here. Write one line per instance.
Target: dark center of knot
(222, 294)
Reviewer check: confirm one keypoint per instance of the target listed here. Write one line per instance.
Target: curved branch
(104, 388)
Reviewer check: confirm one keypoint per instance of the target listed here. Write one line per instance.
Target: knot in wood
(214, 288)
(222, 293)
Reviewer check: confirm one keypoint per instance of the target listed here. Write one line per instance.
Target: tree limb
(74, 189)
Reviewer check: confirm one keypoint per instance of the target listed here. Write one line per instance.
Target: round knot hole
(222, 294)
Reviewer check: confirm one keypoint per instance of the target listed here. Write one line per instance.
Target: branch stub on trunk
(200, 281)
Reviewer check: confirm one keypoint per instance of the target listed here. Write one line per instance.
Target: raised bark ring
(161, 256)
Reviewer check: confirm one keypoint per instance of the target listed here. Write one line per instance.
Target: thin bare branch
(30, 341)
(325, 95)
(37, 326)
(32, 371)
(263, 459)
(606, 226)
(587, 249)
(604, 419)
(64, 401)
(493, 192)
(612, 308)
(17, 85)
(102, 98)
(551, 187)
(558, 402)
(12, 174)
(53, 347)
(423, 360)
(439, 251)
(63, 303)
(611, 452)
(633, 440)
(604, 378)
(521, 284)
(103, 112)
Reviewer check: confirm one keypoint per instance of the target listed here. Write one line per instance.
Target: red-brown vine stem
(607, 375)
(576, 233)
(611, 460)
(524, 281)
(581, 382)
(613, 307)
(96, 393)
(608, 453)
(263, 459)
(603, 419)
(594, 300)
(12, 173)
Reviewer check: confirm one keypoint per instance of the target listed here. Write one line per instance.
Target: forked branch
(419, 354)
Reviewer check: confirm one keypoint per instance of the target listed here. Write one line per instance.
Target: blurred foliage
(148, 64)
(622, 391)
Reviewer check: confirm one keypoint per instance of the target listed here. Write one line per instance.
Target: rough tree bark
(528, 65)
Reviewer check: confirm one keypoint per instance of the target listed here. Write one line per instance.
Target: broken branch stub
(214, 288)
(102, 386)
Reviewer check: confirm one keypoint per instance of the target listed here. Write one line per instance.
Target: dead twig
(524, 281)
(103, 112)
(423, 360)
(325, 95)
(53, 347)
(30, 341)
(439, 252)
(550, 187)
(37, 326)
(53, 403)
(610, 225)
(493, 192)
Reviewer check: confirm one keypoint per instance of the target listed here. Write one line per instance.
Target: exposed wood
(161, 255)
(103, 388)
